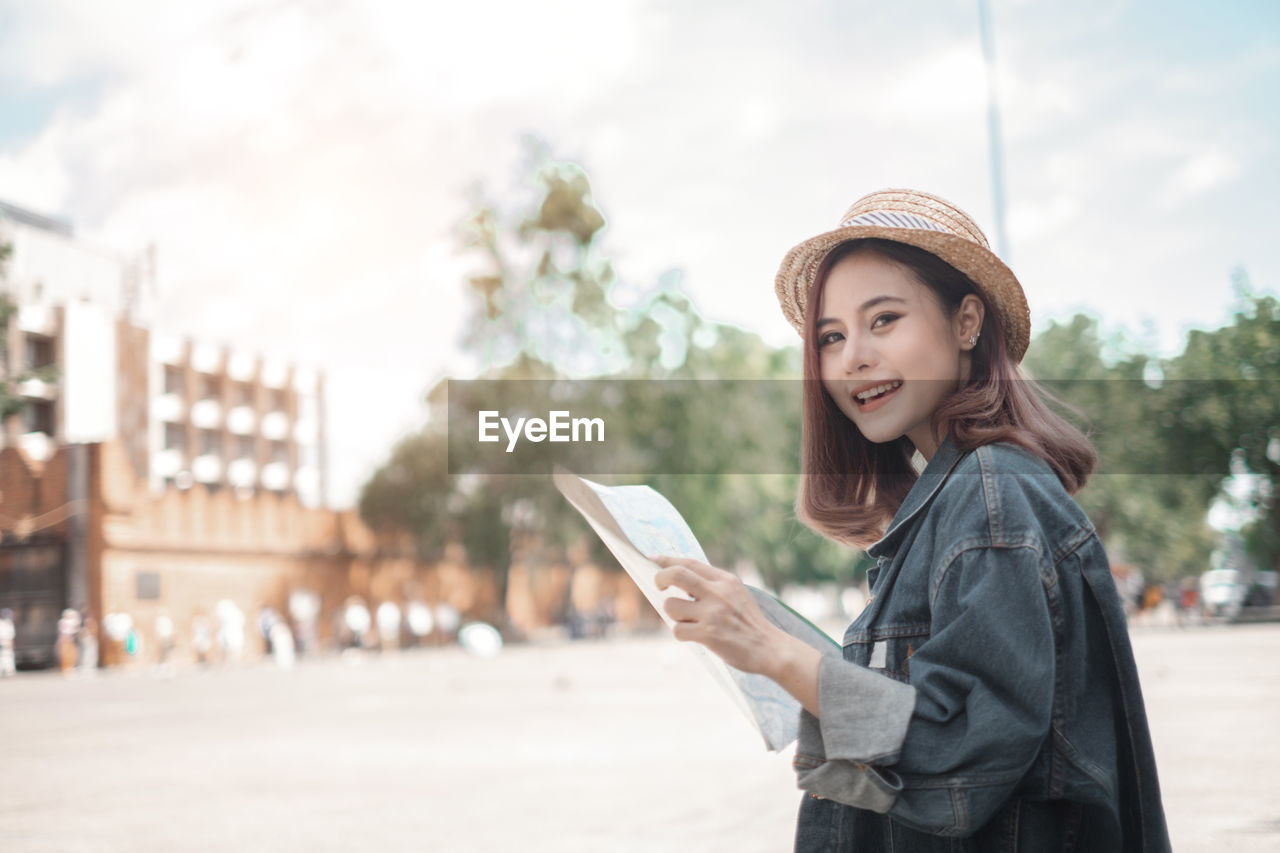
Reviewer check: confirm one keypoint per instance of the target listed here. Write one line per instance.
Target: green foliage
(10, 403)
(410, 491)
(1224, 418)
(1167, 434)
(1148, 508)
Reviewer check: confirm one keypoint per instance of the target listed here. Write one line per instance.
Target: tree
(1148, 509)
(10, 401)
(1223, 417)
(547, 310)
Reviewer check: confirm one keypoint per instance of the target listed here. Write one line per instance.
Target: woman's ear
(968, 321)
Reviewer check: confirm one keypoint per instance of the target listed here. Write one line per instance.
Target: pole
(77, 525)
(993, 128)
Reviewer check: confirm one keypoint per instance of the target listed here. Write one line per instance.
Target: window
(210, 387)
(210, 442)
(279, 452)
(173, 380)
(38, 416)
(148, 586)
(246, 447)
(39, 351)
(175, 437)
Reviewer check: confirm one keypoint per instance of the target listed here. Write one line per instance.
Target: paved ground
(617, 746)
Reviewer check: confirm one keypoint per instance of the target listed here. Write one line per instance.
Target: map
(638, 524)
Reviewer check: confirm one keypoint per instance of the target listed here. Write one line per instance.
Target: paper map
(637, 523)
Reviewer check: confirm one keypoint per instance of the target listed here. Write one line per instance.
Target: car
(1222, 593)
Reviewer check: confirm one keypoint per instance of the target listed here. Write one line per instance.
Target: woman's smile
(871, 398)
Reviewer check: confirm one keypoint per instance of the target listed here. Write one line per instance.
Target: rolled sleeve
(864, 720)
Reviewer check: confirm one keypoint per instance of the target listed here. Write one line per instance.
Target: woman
(987, 697)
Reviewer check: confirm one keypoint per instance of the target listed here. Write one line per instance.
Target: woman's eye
(829, 338)
(883, 319)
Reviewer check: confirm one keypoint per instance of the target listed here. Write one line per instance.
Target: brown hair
(852, 487)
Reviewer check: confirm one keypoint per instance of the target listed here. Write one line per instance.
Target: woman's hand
(722, 616)
(725, 618)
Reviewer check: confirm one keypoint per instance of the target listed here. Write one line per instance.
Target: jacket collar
(922, 491)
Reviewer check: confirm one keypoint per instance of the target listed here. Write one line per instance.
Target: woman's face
(888, 353)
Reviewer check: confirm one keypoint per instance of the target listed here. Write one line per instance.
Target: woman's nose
(857, 354)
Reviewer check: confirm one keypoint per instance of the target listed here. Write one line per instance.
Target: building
(143, 476)
(185, 412)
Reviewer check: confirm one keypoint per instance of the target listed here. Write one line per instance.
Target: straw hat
(921, 220)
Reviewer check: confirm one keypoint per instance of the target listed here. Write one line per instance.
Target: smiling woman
(988, 692)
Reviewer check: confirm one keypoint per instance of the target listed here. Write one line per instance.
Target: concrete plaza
(620, 745)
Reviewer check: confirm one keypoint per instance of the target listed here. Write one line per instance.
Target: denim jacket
(987, 699)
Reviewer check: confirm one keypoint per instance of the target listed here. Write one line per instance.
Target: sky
(302, 167)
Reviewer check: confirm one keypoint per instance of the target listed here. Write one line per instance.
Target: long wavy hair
(852, 487)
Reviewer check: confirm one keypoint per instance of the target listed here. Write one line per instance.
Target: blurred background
(246, 246)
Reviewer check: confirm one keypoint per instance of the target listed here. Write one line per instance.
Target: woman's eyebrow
(876, 300)
(870, 303)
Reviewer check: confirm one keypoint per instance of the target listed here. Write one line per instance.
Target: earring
(973, 340)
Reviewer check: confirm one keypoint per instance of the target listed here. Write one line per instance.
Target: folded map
(638, 524)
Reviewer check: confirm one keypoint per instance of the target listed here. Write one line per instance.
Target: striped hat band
(892, 220)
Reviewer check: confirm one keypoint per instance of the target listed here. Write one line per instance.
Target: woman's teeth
(864, 396)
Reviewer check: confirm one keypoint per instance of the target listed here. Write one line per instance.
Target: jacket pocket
(888, 649)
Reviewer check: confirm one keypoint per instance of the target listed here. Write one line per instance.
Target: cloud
(1201, 173)
(1033, 218)
(35, 178)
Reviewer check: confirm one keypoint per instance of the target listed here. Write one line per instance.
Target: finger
(680, 610)
(687, 631)
(682, 577)
(669, 560)
(710, 573)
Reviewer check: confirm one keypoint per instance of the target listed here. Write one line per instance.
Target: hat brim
(997, 282)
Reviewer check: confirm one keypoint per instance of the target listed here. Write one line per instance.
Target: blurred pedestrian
(230, 630)
(304, 610)
(201, 638)
(1188, 602)
(68, 628)
(8, 636)
(421, 622)
(282, 649)
(88, 642)
(355, 623)
(117, 628)
(447, 621)
(388, 619)
(267, 619)
(1152, 596)
(164, 644)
